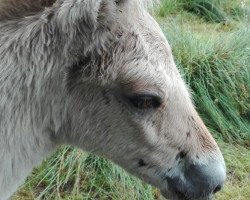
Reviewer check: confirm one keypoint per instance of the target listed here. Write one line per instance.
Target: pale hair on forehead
(145, 3)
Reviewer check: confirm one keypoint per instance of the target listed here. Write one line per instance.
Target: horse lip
(171, 195)
(174, 193)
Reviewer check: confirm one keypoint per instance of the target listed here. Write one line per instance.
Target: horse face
(136, 110)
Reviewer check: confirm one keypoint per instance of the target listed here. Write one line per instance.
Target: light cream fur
(66, 73)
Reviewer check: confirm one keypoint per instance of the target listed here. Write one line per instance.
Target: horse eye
(144, 102)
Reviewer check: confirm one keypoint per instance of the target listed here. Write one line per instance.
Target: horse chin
(172, 195)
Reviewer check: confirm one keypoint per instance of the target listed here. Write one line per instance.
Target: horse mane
(10, 9)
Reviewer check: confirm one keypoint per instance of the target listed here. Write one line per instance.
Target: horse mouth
(176, 195)
(171, 195)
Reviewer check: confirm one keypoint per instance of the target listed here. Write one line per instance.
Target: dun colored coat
(99, 75)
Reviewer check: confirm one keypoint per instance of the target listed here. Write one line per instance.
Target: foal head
(129, 104)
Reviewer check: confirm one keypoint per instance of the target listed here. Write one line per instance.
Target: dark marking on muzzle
(181, 155)
(141, 163)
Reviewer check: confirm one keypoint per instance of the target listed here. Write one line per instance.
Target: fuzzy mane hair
(10, 9)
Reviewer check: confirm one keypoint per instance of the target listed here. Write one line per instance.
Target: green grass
(210, 10)
(238, 169)
(215, 61)
(168, 7)
(220, 11)
(73, 175)
(217, 70)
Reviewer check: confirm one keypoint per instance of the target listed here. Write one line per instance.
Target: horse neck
(31, 111)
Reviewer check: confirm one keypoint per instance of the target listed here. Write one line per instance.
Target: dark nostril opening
(217, 189)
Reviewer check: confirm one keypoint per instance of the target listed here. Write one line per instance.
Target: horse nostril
(217, 189)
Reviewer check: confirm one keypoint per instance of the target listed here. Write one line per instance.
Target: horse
(99, 75)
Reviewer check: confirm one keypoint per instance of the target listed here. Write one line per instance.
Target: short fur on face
(71, 73)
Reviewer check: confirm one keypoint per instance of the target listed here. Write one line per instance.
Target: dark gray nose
(199, 181)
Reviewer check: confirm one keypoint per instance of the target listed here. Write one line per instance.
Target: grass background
(211, 45)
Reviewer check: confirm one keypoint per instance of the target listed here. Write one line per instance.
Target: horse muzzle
(197, 181)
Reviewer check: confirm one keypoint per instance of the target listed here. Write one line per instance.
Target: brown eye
(144, 102)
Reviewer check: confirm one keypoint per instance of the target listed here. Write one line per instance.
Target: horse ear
(10, 9)
(87, 16)
(106, 12)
